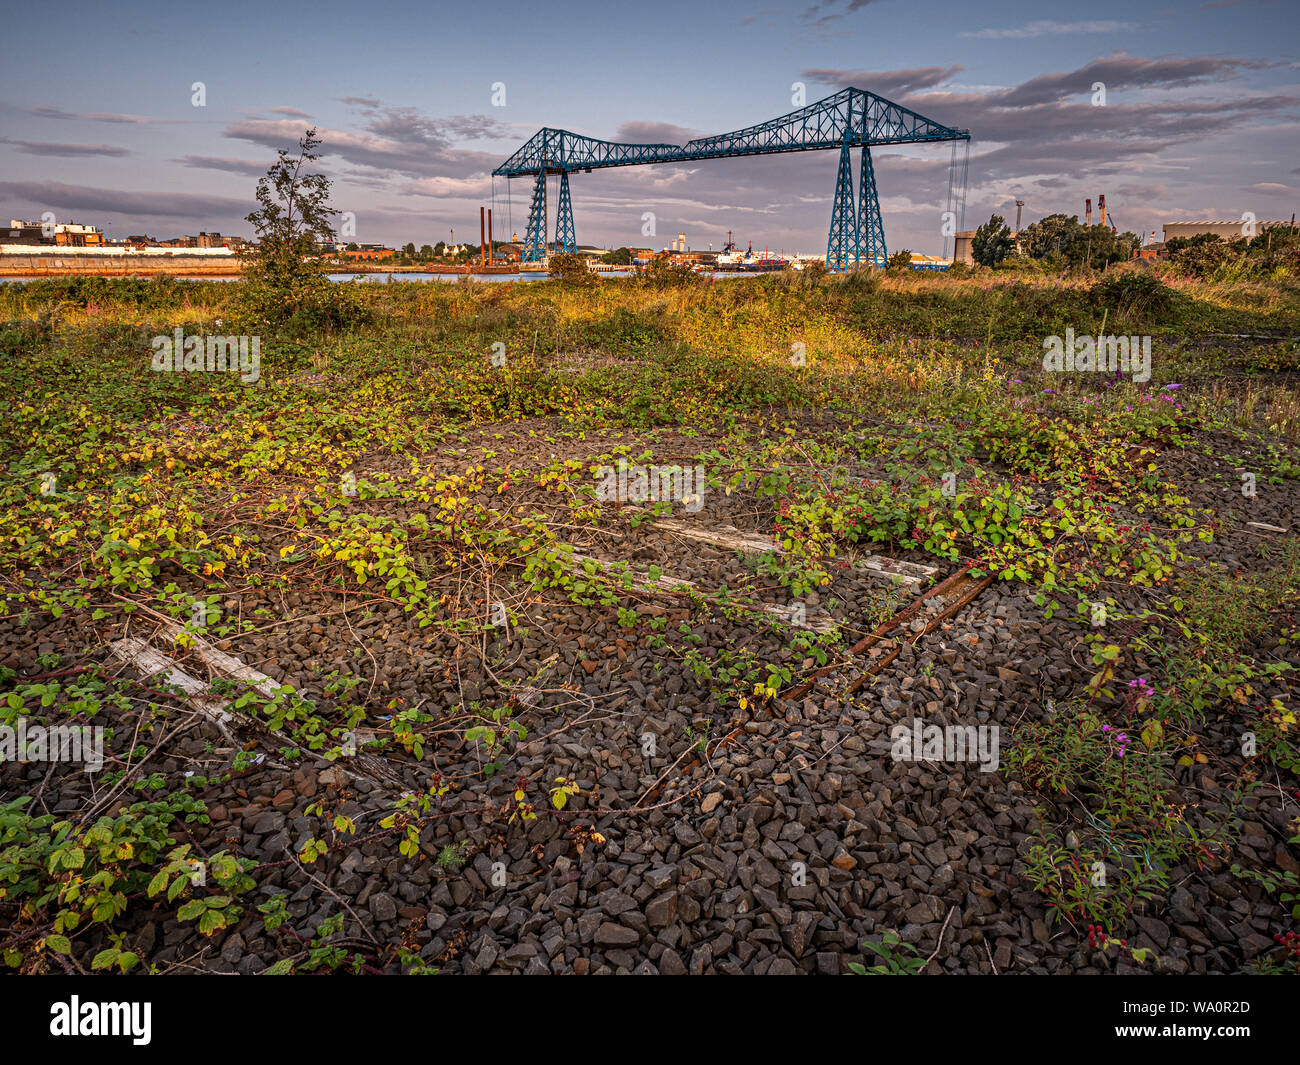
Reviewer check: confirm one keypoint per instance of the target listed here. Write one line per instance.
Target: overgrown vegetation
(126, 491)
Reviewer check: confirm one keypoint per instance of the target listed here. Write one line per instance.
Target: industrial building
(1226, 230)
(60, 234)
(369, 252)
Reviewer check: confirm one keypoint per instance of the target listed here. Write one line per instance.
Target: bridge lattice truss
(852, 118)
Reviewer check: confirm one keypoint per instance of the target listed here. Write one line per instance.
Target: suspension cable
(950, 213)
(965, 181)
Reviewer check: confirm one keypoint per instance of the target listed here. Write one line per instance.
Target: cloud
(821, 16)
(46, 111)
(233, 166)
(887, 83)
(850, 6)
(65, 150)
(88, 200)
(399, 140)
(655, 133)
(359, 101)
(1122, 72)
(1046, 28)
(466, 188)
(291, 112)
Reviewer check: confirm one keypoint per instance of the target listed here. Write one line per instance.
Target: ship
(730, 259)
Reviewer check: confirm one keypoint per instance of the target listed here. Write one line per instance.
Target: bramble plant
(896, 958)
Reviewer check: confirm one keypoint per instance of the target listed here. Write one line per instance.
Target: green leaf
(59, 944)
(191, 910)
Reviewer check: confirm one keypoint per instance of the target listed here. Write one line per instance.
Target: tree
(619, 257)
(899, 261)
(571, 269)
(426, 252)
(992, 241)
(1056, 232)
(282, 277)
(1176, 244)
(1080, 245)
(408, 249)
(662, 272)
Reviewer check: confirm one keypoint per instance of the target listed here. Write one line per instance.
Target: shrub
(859, 282)
(663, 273)
(1132, 292)
(899, 261)
(570, 269)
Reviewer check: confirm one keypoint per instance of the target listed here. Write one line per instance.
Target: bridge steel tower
(535, 234)
(565, 241)
(842, 242)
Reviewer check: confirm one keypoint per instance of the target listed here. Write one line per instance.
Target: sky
(98, 119)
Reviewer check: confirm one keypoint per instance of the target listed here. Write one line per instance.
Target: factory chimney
(1101, 209)
(681, 239)
(1087, 210)
(1019, 205)
(482, 236)
(489, 246)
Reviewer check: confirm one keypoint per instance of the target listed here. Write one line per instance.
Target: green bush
(1132, 292)
(899, 262)
(663, 273)
(570, 269)
(60, 881)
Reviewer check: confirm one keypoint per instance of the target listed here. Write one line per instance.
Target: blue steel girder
(854, 115)
(871, 230)
(558, 150)
(565, 238)
(535, 235)
(842, 243)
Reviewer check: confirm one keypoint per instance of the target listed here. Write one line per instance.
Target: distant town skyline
(1198, 114)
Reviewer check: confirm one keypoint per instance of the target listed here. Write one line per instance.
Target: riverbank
(63, 264)
(66, 263)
